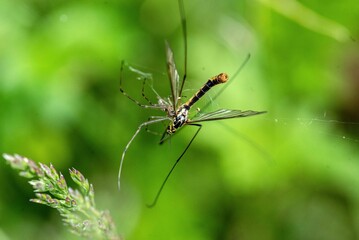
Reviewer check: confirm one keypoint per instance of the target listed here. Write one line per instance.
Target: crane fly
(177, 113)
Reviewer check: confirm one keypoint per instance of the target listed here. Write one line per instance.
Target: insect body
(181, 116)
(177, 114)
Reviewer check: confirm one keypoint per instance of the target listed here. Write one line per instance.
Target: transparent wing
(223, 114)
(173, 75)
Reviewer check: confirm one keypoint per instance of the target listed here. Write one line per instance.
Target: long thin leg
(150, 131)
(143, 92)
(174, 165)
(164, 137)
(155, 106)
(184, 32)
(129, 143)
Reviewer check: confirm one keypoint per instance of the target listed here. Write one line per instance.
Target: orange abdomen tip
(222, 77)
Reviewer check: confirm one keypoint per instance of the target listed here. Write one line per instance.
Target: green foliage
(308, 18)
(290, 174)
(77, 207)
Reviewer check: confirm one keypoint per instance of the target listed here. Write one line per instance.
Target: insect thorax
(179, 119)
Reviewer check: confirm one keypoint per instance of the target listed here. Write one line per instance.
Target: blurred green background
(290, 174)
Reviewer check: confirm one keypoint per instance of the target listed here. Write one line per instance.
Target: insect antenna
(174, 165)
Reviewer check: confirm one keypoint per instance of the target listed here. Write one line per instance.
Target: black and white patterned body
(179, 119)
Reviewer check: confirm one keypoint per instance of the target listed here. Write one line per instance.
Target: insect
(177, 113)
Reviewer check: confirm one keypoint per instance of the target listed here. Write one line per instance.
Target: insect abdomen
(220, 78)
